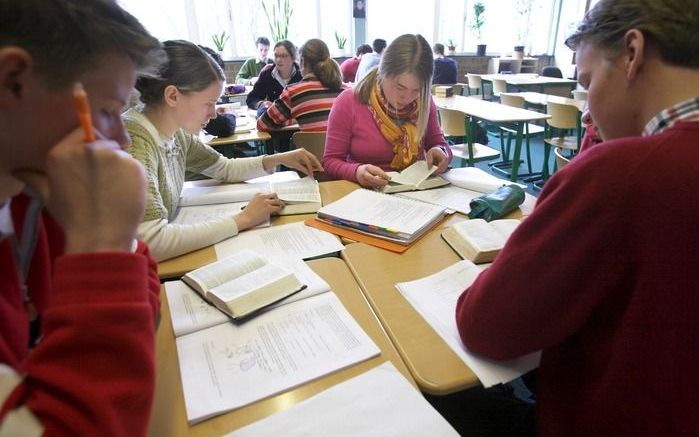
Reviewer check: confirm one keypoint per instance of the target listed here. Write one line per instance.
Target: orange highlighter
(82, 106)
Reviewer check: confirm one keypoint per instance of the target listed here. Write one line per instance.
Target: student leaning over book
(388, 121)
(87, 365)
(178, 103)
(603, 274)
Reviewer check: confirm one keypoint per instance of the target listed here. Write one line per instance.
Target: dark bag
(221, 126)
(497, 204)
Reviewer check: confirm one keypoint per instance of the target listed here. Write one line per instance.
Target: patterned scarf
(397, 126)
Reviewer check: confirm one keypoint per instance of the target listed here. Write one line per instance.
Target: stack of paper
(435, 296)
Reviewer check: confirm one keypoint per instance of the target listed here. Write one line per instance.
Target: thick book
(418, 176)
(243, 283)
(477, 240)
(383, 216)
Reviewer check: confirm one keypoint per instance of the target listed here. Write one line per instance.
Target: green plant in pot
(451, 46)
(278, 17)
(341, 41)
(220, 40)
(477, 24)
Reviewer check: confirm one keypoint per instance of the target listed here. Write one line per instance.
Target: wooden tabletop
(490, 111)
(178, 266)
(541, 99)
(529, 79)
(245, 137)
(169, 417)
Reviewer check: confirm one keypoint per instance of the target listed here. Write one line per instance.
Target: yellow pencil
(82, 107)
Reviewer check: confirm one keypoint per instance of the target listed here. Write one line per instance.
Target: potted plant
(524, 10)
(220, 40)
(341, 41)
(278, 18)
(451, 47)
(477, 25)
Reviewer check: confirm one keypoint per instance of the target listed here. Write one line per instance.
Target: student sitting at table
(78, 295)
(388, 121)
(178, 103)
(274, 78)
(602, 276)
(349, 66)
(309, 101)
(250, 70)
(445, 69)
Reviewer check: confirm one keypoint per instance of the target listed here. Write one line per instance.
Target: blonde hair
(316, 58)
(406, 54)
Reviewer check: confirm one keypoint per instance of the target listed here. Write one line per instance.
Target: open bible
(243, 283)
(477, 240)
(417, 176)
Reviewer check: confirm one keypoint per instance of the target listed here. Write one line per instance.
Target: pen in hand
(82, 107)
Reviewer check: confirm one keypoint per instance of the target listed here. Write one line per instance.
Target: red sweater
(93, 370)
(603, 276)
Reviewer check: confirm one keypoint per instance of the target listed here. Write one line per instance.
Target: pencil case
(497, 204)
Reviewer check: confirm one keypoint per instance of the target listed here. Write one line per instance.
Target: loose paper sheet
(435, 296)
(187, 215)
(294, 240)
(229, 366)
(379, 402)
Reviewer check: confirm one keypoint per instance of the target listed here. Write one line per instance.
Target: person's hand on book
(371, 176)
(299, 159)
(436, 156)
(258, 210)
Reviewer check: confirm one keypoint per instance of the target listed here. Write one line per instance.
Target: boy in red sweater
(73, 272)
(603, 275)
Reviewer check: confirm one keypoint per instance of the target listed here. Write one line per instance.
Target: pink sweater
(353, 138)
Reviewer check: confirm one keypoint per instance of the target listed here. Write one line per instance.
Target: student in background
(388, 121)
(72, 271)
(250, 70)
(223, 125)
(370, 60)
(349, 66)
(602, 275)
(178, 103)
(274, 78)
(444, 68)
(309, 101)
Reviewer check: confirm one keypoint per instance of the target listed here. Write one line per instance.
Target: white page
(189, 312)
(300, 190)
(229, 366)
(223, 193)
(473, 178)
(188, 215)
(485, 236)
(229, 268)
(252, 280)
(435, 296)
(279, 176)
(414, 174)
(382, 210)
(453, 198)
(294, 240)
(379, 402)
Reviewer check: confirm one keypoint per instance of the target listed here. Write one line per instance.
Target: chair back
(563, 116)
(452, 122)
(551, 71)
(474, 82)
(499, 86)
(579, 94)
(512, 100)
(561, 160)
(314, 142)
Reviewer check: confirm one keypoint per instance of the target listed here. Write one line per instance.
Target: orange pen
(82, 107)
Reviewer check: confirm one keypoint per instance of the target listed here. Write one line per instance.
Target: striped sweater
(308, 102)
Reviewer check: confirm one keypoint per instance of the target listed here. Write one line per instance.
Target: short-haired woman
(177, 104)
(388, 121)
(275, 77)
(309, 101)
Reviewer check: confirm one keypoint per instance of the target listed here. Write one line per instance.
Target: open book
(243, 283)
(417, 176)
(301, 196)
(478, 240)
(380, 215)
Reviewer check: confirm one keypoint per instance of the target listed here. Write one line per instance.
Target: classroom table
(169, 417)
(540, 100)
(178, 266)
(475, 108)
(524, 82)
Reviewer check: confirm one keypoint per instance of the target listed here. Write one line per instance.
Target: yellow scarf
(403, 137)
